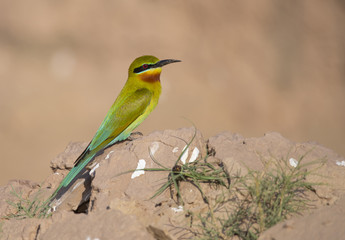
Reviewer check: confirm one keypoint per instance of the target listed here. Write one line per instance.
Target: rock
(118, 203)
(163, 147)
(324, 222)
(239, 154)
(131, 193)
(25, 229)
(109, 224)
(23, 188)
(65, 160)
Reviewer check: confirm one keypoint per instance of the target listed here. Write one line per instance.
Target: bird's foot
(91, 167)
(134, 136)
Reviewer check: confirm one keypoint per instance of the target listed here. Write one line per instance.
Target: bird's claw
(134, 136)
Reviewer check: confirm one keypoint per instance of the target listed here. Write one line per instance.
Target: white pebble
(293, 162)
(141, 165)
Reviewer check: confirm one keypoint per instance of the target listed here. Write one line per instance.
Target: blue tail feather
(73, 173)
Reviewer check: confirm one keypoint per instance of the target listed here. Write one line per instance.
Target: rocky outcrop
(118, 203)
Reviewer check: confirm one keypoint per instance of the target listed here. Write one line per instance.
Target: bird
(135, 102)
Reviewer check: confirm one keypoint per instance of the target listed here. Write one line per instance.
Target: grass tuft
(259, 200)
(197, 172)
(27, 208)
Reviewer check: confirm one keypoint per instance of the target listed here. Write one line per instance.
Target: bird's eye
(142, 68)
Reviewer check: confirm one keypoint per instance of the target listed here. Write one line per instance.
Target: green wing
(119, 117)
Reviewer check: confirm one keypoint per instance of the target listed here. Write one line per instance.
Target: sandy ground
(248, 67)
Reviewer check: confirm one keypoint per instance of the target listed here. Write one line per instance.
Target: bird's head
(148, 68)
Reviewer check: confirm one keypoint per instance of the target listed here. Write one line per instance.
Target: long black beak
(162, 63)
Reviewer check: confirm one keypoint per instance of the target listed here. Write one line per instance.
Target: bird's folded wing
(118, 119)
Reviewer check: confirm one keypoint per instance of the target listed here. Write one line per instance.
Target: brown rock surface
(108, 224)
(237, 152)
(325, 223)
(120, 206)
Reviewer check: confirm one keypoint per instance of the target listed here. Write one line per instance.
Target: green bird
(135, 102)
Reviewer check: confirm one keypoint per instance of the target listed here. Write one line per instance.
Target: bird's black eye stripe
(143, 68)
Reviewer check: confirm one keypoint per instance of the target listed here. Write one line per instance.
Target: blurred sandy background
(248, 67)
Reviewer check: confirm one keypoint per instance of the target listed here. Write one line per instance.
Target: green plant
(1, 231)
(27, 208)
(197, 172)
(259, 200)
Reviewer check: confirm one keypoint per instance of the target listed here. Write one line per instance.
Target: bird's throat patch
(151, 75)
